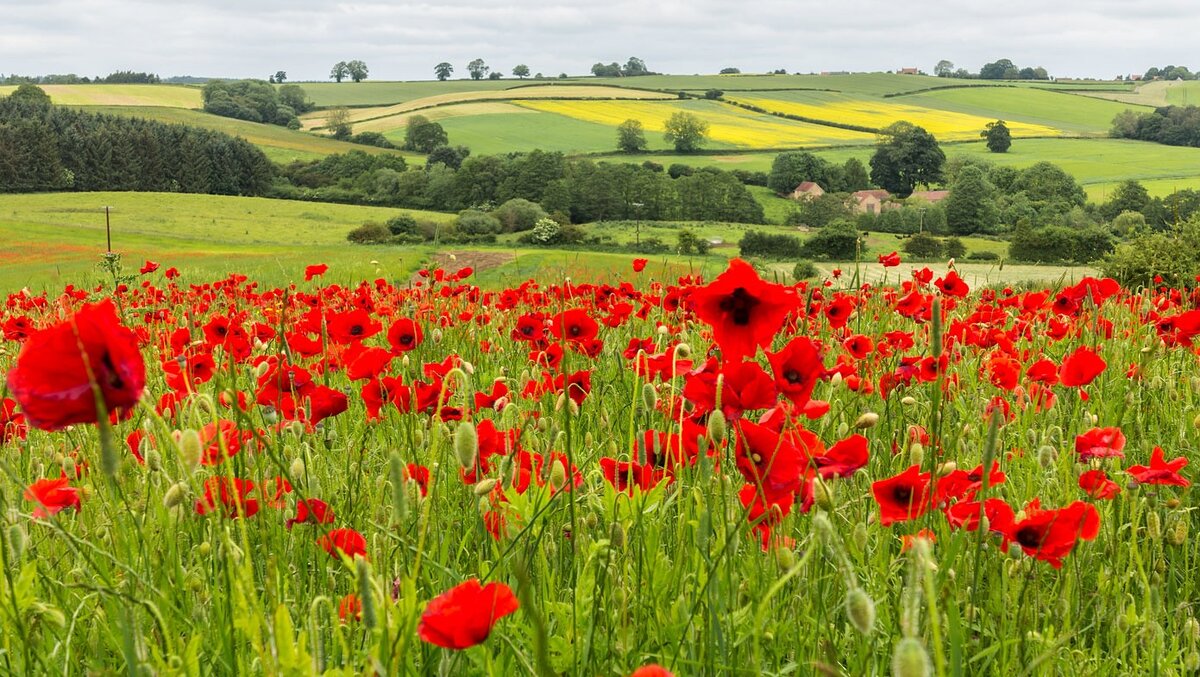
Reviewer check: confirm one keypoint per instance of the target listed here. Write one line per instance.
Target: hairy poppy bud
(843, 429)
(466, 444)
(823, 527)
(558, 475)
(297, 468)
(860, 609)
(916, 454)
(785, 558)
(1191, 629)
(1191, 663)
(261, 370)
(153, 460)
(1153, 526)
(189, 447)
(860, 537)
(366, 591)
(822, 494)
(910, 659)
(867, 420)
(616, 534)
(683, 351)
(716, 427)
(908, 400)
(649, 396)
(175, 495)
(484, 487)
(17, 540)
(1047, 456)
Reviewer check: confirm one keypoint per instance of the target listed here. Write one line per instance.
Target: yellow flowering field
(945, 125)
(727, 125)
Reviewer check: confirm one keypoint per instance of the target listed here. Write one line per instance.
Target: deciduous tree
(477, 69)
(906, 156)
(521, 71)
(443, 71)
(357, 70)
(631, 136)
(999, 139)
(688, 132)
(340, 71)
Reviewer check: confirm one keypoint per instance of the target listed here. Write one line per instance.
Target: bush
(804, 270)
(923, 246)
(372, 139)
(402, 225)
(838, 241)
(690, 243)
(547, 232)
(771, 246)
(954, 248)
(649, 245)
(1059, 244)
(1172, 256)
(714, 94)
(369, 233)
(519, 215)
(677, 170)
(474, 222)
(983, 256)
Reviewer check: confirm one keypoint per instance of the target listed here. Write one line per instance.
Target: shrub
(954, 248)
(1059, 244)
(402, 225)
(839, 241)
(1174, 257)
(677, 170)
(369, 233)
(690, 243)
(983, 256)
(923, 246)
(372, 139)
(769, 245)
(518, 215)
(474, 222)
(804, 270)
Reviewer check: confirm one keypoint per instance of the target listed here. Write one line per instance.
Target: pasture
(171, 96)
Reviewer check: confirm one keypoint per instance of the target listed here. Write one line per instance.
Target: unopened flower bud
(17, 539)
(1153, 526)
(466, 444)
(484, 487)
(785, 558)
(558, 475)
(175, 495)
(910, 659)
(716, 427)
(189, 447)
(616, 534)
(916, 454)
(908, 401)
(867, 420)
(649, 396)
(860, 537)
(1047, 456)
(860, 609)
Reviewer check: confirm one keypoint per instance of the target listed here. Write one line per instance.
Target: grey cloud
(404, 40)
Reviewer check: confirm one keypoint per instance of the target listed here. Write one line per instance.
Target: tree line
(45, 147)
(114, 78)
(1169, 125)
(1001, 69)
(256, 101)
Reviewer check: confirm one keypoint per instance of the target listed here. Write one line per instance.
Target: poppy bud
(175, 495)
(822, 494)
(1047, 456)
(296, 428)
(683, 351)
(1177, 531)
(1192, 662)
(436, 335)
(297, 468)
(908, 401)
(823, 527)
(946, 468)
(261, 370)
(366, 591)
(716, 427)
(558, 475)
(396, 477)
(860, 609)
(836, 379)
(616, 534)
(1191, 629)
(860, 537)
(484, 487)
(910, 659)
(68, 466)
(867, 420)
(649, 396)
(916, 454)
(205, 549)
(405, 361)
(543, 425)
(189, 447)
(785, 558)
(153, 460)
(17, 540)
(1153, 526)
(466, 444)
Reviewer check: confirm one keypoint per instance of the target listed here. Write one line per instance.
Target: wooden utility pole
(107, 228)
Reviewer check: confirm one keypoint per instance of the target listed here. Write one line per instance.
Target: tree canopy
(906, 156)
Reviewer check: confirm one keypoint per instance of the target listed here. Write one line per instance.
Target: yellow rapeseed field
(945, 125)
(726, 124)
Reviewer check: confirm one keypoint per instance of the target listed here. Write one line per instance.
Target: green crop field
(279, 143)
(1068, 112)
(54, 238)
(523, 130)
(328, 94)
(173, 96)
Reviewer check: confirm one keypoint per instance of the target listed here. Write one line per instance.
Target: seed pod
(860, 609)
(466, 444)
(867, 420)
(910, 659)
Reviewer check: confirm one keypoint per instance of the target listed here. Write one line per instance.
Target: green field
(172, 96)
(1070, 112)
(328, 94)
(492, 134)
(280, 144)
(52, 239)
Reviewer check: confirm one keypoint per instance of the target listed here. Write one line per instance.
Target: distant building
(807, 191)
(835, 72)
(930, 196)
(869, 201)
(909, 71)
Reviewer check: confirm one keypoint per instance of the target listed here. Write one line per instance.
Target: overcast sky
(403, 40)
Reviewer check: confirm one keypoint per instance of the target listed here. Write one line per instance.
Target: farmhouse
(869, 201)
(908, 71)
(931, 196)
(807, 191)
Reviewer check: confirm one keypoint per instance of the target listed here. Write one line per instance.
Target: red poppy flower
(797, 369)
(639, 265)
(890, 260)
(1097, 485)
(345, 541)
(574, 325)
(1100, 443)
(350, 608)
(12, 424)
(352, 325)
(1081, 368)
(51, 378)
(770, 460)
(903, 497)
(1051, 535)
(231, 496)
(625, 475)
(314, 271)
(404, 335)
(952, 285)
(51, 496)
(148, 267)
(464, 615)
(1160, 471)
(744, 311)
(651, 670)
(312, 510)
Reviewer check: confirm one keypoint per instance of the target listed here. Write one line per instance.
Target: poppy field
(662, 475)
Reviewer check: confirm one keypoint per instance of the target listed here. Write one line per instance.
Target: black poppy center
(356, 330)
(1029, 537)
(739, 306)
(792, 376)
(902, 494)
(111, 376)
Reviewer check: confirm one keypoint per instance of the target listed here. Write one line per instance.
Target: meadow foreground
(665, 475)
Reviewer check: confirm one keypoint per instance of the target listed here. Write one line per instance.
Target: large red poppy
(903, 497)
(797, 369)
(1160, 470)
(50, 496)
(53, 377)
(1051, 535)
(1081, 368)
(464, 615)
(744, 311)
